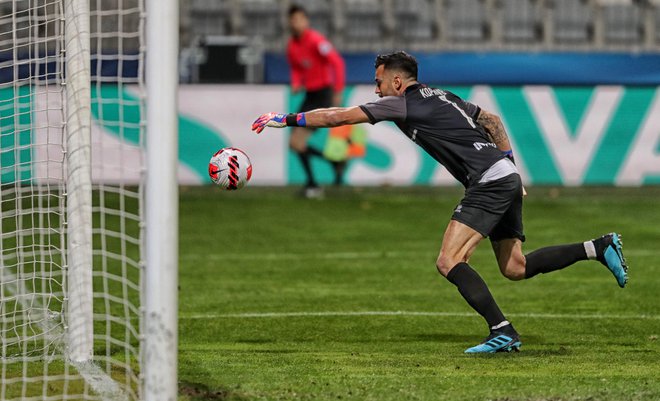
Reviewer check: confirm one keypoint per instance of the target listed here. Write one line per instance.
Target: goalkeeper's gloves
(278, 120)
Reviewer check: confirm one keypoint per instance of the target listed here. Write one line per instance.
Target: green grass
(311, 264)
(32, 264)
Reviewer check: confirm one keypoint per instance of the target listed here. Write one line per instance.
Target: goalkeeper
(472, 145)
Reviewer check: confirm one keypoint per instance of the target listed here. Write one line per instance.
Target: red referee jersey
(315, 64)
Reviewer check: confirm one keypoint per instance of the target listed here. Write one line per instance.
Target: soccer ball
(230, 168)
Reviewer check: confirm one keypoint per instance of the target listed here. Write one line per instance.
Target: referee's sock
(304, 160)
(338, 167)
(313, 151)
(551, 258)
(473, 288)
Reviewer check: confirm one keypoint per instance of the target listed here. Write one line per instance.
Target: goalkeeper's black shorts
(494, 208)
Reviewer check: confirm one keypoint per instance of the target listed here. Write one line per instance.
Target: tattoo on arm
(495, 129)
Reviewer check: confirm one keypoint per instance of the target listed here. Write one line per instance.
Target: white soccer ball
(230, 168)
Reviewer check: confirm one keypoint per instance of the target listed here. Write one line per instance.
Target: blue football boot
(504, 339)
(609, 253)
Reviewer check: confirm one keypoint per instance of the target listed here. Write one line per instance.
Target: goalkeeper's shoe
(609, 252)
(504, 339)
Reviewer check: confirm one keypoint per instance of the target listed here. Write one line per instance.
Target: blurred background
(419, 26)
(575, 81)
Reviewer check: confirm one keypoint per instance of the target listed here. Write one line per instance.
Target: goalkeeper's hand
(275, 120)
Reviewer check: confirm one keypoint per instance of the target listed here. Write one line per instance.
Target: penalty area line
(257, 315)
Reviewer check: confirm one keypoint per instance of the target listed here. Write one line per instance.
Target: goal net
(71, 221)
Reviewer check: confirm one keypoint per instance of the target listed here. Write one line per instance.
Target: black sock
(313, 151)
(551, 258)
(307, 166)
(339, 168)
(473, 288)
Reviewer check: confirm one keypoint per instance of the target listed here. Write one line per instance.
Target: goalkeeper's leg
(458, 244)
(516, 266)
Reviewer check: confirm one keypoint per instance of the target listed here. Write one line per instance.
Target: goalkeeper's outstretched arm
(319, 118)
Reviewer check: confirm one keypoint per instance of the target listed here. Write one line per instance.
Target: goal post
(80, 333)
(88, 236)
(161, 339)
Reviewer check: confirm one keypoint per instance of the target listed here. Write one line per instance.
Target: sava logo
(480, 145)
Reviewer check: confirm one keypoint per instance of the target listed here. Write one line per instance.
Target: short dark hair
(296, 8)
(400, 60)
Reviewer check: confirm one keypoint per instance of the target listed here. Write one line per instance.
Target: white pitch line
(407, 313)
(300, 256)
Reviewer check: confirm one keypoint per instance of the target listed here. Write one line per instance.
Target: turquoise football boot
(609, 252)
(504, 339)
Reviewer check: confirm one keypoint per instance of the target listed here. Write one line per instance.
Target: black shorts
(318, 99)
(494, 208)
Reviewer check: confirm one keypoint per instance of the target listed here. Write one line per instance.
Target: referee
(473, 146)
(318, 68)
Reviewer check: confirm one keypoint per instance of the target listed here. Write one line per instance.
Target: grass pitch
(283, 298)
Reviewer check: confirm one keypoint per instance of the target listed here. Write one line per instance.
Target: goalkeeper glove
(269, 120)
(278, 120)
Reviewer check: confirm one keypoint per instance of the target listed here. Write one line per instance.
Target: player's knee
(514, 270)
(445, 263)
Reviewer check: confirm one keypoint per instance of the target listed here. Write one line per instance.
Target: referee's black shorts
(318, 99)
(494, 209)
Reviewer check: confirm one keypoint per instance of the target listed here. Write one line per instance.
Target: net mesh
(33, 199)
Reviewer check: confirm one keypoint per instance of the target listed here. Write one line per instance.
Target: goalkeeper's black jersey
(443, 125)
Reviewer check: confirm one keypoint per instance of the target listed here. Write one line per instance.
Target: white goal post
(160, 355)
(88, 237)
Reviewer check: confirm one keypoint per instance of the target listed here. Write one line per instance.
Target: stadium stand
(414, 22)
(572, 21)
(655, 24)
(261, 18)
(363, 24)
(211, 17)
(466, 21)
(435, 25)
(622, 22)
(320, 15)
(521, 21)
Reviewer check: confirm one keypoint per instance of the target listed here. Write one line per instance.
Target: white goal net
(71, 221)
